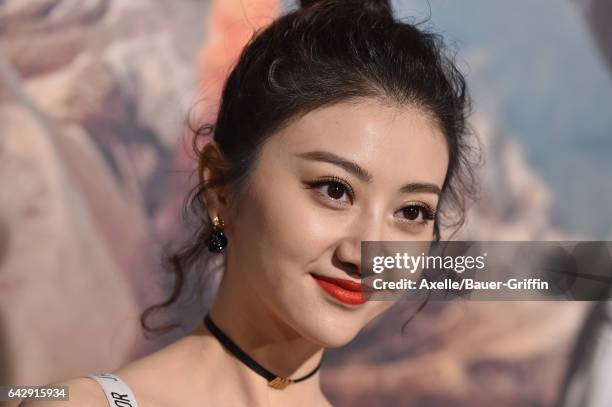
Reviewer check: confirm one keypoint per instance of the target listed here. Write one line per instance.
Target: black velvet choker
(274, 381)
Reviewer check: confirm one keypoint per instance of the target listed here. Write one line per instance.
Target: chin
(319, 320)
(336, 341)
(330, 333)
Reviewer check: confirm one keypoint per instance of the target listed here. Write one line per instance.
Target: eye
(418, 213)
(333, 188)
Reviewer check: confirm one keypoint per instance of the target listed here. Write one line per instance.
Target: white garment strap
(117, 392)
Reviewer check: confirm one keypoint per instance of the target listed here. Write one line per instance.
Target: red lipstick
(346, 291)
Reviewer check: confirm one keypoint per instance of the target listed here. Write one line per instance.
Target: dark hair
(323, 53)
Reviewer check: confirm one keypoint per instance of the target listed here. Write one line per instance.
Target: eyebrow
(362, 173)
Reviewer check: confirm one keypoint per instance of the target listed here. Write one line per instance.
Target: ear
(212, 165)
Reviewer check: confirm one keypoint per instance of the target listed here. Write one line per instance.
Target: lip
(346, 291)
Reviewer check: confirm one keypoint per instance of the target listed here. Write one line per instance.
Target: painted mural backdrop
(94, 165)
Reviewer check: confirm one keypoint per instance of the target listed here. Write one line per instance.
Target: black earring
(217, 240)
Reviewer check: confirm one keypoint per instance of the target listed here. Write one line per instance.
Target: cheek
(280, 230)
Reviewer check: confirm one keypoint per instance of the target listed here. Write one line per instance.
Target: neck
(265, 338)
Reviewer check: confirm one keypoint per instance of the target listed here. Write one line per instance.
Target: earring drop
(217, 240)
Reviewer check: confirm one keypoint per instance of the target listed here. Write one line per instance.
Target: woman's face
(323, 184)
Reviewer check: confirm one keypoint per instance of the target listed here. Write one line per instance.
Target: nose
(347, 255)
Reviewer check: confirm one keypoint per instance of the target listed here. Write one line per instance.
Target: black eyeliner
(330, 179)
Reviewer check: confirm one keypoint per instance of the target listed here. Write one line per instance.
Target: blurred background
(95, 162)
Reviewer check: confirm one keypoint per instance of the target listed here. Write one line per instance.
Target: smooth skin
(280, 230)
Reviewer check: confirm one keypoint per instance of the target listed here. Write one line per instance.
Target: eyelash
(427, 211)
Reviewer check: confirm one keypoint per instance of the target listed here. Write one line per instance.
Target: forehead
(391, 142)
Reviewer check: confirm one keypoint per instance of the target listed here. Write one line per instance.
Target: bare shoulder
(159, 379)
(82, 391)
